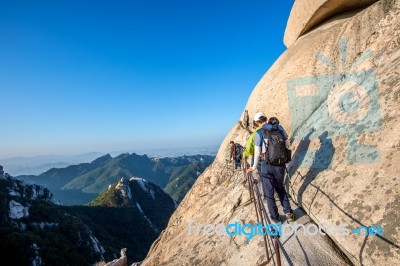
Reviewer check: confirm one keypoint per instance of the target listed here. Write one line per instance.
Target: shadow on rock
(322, 159)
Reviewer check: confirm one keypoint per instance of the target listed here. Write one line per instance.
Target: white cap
(258, 115)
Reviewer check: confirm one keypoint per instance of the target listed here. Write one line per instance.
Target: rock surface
(153, 204)
(307, 14)
(336, 90)
(33, 223)
(17, 210)
(122, 261)
(229, 203)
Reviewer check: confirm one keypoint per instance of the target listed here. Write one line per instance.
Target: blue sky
(81, 76)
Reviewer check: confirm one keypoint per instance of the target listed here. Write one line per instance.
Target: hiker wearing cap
(270, 156)
(249, 150)
(236, 154)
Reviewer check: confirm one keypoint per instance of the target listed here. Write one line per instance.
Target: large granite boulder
(336, 90)
(307, 14)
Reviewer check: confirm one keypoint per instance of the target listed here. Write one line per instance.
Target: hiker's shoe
(290, 217)
(275, 220)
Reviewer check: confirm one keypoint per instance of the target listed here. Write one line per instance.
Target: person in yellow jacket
(249, 150)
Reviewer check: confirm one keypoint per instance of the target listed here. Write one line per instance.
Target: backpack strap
(261, 134)
(264, 146)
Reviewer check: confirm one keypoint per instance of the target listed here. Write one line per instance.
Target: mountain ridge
(87, 180)
(36, 230)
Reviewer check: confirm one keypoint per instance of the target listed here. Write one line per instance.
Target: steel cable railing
(262, 217)
(277, 243)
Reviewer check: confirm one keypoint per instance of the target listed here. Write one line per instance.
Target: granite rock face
(336, 90)
(307, 14)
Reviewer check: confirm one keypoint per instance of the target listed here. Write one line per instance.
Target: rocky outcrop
(17, 210)
(336, 90)
(33, 223)
(19, 188)
(22, 195)
(36, 260)
(3, 175)
(122, 261)
(154, 205)
(307, 14)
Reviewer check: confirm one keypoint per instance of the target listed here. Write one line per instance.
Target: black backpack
(276, 148)
(239, 149)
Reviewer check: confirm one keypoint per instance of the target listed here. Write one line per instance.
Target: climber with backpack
(271, 146)
(236, 154)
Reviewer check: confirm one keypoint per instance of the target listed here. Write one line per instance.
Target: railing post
(277, 252)
(262, 221)
(250, 188)
(259, 215)
(249, 181)
(274, 239)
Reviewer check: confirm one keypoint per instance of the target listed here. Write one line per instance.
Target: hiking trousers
(272, 178)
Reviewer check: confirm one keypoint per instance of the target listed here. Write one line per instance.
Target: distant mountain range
(39, 164)
(79, 184)
(36, 230)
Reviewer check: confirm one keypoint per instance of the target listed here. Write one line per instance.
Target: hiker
(270, 155)
(236, 153)
(249, 150)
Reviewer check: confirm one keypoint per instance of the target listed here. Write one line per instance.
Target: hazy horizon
(35, 165)
(113, 153)
(133, 75)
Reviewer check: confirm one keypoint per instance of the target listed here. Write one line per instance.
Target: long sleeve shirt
(249, 151)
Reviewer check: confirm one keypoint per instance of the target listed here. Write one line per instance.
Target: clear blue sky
(81, 76)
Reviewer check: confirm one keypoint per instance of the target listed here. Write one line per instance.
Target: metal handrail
(277, 242)
(262, 216)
